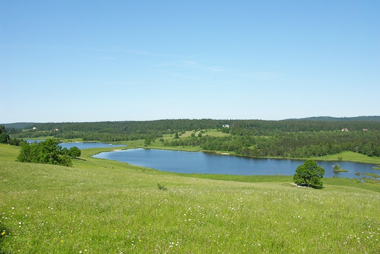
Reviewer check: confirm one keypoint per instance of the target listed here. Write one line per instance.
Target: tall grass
(101, 206)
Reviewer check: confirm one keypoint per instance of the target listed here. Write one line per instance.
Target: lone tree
(74, 152)
(309, 174)
(147, 141)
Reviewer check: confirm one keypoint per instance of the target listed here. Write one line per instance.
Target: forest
(294, 138)
(288, 144)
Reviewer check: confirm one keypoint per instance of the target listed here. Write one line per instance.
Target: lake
(207, 163)
(80, 145)
(87, 145)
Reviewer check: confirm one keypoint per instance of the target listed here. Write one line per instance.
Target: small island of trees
(337, 169)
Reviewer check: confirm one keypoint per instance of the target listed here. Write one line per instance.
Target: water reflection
(206, 163)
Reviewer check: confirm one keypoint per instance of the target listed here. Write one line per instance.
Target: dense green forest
(294, 138)
(289, 145)
(5, 138)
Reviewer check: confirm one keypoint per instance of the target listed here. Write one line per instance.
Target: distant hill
(329, 118)
(17, 125)
(206, 123)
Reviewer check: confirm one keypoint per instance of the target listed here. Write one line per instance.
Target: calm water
(86, 145)
(205, 163)
(80, 145)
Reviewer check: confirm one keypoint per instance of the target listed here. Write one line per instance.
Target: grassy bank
(101, 206)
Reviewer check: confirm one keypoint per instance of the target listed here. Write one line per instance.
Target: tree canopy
(74, 152)
(309, 174)
(4, 137)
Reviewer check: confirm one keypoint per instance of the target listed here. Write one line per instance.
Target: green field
(101, 206)
(349, 156)
(210, 132)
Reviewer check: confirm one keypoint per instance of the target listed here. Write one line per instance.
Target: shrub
(47, 152)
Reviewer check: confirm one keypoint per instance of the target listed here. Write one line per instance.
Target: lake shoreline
(275, 158)
(341, 157)
(211, 163)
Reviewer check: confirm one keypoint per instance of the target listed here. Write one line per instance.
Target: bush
(47, 152)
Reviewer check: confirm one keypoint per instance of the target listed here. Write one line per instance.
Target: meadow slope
(101, 206)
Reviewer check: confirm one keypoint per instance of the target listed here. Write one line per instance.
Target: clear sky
(80, 61)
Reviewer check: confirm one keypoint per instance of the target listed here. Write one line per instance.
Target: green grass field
(349, 156)
(209, 132)
(101, 206)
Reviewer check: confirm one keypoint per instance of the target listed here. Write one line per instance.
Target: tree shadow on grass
(310, 186)
(79, 159)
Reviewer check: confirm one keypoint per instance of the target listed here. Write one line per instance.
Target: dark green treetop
(47, 152)
(309, 174)
(74, 152)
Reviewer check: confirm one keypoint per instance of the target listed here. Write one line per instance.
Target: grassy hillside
(101, 206)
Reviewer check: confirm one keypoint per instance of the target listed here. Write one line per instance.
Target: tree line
(253, 138)
(288, 145)
(132, 130)
(6, 139)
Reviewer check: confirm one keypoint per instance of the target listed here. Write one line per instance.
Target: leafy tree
(65, 151)
(226, 130)
(309, 174)
(4, 137)
(147, 141)
(74, 152)
(2, 129)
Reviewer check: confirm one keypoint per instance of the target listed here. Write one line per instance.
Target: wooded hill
(329, 118)
(297, 138)
(290, 125)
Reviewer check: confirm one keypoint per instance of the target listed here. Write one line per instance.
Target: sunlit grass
(102, 206)
(187, 134)
(41, 138)
(349, 156)
(216, 133)
(8, 152)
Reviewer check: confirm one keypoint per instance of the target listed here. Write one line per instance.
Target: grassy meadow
(349, 156)
(102, 206)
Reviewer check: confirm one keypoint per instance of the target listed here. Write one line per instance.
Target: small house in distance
(226, 126)
(344, 129)
(365, 129)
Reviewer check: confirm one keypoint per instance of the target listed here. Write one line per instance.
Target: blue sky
(80, 61)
